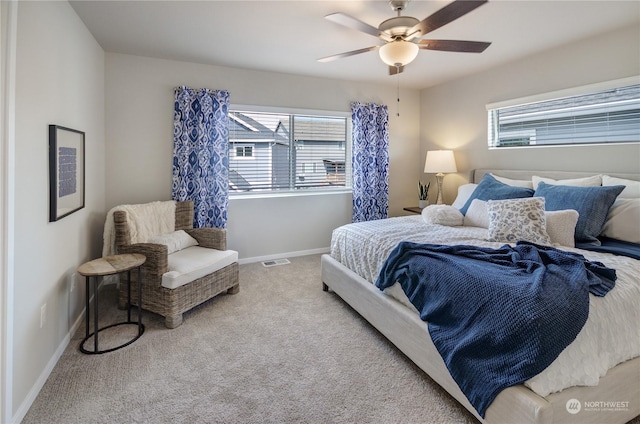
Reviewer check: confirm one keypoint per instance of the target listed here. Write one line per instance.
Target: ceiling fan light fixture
(398, 53)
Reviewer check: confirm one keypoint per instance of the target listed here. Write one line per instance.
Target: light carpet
(280, 351)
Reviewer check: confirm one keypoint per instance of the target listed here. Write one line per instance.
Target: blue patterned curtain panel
(200, 153)
(370, 161)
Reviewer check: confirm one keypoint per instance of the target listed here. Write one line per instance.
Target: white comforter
(610, 336)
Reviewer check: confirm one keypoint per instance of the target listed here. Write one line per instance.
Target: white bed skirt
(516, 404)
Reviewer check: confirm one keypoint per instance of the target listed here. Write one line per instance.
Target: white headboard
(477, 174)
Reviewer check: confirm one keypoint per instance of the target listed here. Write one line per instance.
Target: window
(596, 114)
(244, 151)
(272, 151)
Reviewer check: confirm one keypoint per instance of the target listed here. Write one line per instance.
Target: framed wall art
(66, 171)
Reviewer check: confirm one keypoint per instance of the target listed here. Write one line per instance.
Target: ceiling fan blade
(353, 23)
(347, 54)
(449, 13)
(454, 45)
(393, 70)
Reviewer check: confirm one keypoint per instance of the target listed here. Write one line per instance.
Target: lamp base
(439, 178)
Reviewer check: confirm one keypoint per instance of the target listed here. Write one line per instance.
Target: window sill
(543, 146)
(292, 193)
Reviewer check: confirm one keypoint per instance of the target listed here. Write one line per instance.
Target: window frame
(297, 192)
(559, 94)
(244, 148)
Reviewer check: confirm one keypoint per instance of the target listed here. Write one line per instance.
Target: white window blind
(610, 115)
(284, 152)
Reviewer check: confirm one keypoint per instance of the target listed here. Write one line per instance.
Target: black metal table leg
(95, 314)
(140, 326)
(87, 298)
(129, 296)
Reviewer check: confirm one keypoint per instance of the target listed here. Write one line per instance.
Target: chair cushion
(195, 262)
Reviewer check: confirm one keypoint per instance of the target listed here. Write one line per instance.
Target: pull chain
(398, 91)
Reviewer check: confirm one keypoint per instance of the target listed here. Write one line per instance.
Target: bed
(613, 397)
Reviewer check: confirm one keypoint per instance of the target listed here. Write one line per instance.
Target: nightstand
(414, 209)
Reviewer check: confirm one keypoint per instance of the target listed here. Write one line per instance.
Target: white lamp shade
(398, 53)
(440, 162)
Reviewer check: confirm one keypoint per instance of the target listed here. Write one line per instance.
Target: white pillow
(561, 226)
(512, 220)
(464, 192)
(593, 181)
(631, 191)
(477, 214)
(175, 241)
(442, 215)
(623, 220)
(514, 183)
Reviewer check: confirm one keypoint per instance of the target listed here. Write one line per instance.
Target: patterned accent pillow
(518, 219)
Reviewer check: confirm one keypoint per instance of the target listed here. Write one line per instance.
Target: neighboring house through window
(601, 113)
(275, 152)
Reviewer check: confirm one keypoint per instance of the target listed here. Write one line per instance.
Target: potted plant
(423, 194)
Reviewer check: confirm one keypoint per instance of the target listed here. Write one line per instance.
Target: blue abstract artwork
(67, 171)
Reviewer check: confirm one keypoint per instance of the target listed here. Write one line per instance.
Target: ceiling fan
(402, 34)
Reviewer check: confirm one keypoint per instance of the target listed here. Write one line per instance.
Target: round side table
(98, 268)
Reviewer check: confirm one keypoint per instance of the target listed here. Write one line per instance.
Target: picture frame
(66, 171)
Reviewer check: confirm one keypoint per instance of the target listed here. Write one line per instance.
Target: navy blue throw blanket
(497, 316)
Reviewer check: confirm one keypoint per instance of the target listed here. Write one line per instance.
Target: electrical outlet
(43, 315)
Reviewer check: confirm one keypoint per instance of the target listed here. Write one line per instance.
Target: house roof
(245, 127)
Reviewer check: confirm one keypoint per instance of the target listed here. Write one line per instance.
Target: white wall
(60, 80)
(8, 35)
(453, 115)
(139, 114)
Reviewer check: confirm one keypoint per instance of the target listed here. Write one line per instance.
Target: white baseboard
(283, 255)
(46, 372)
(35, 390)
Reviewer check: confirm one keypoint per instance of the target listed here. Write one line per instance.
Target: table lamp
(440, 162)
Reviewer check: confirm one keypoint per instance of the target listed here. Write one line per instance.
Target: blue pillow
(592, 204)
(492, 189)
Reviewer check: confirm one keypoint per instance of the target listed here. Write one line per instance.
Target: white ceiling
(289, 36)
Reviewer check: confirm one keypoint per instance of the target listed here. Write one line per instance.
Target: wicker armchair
(171, 303)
